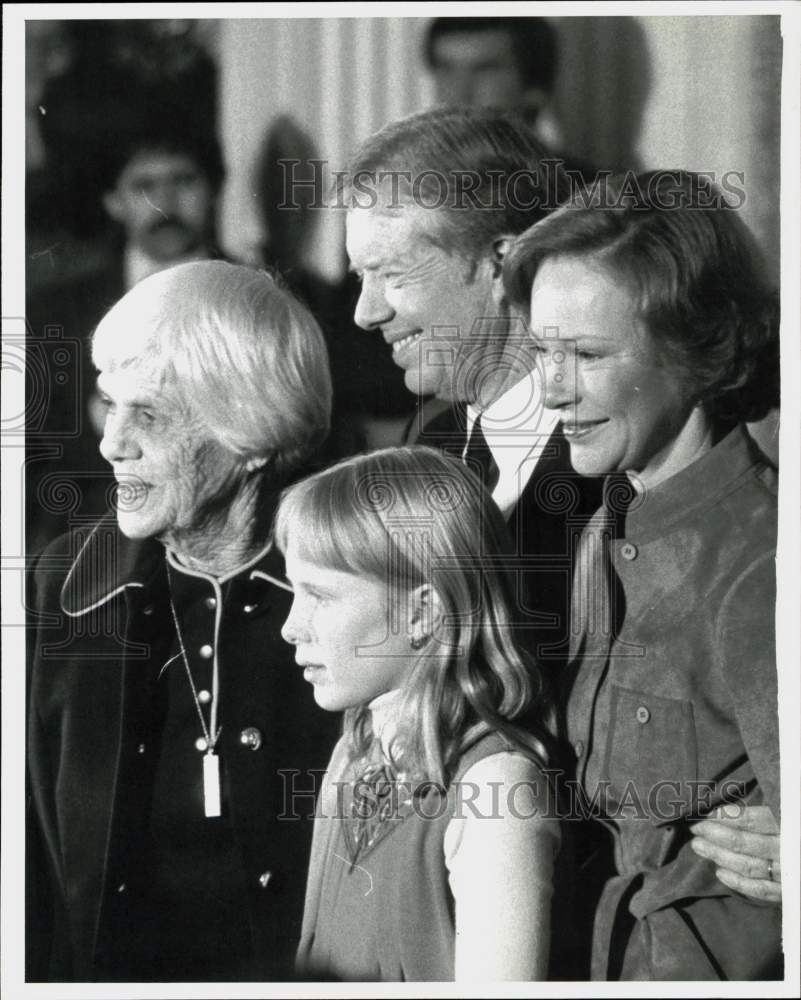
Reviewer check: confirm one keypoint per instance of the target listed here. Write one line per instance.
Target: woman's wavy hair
(237, 347)
(695, 271)
(412, 516)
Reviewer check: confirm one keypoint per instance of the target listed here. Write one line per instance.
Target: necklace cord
(211, 740)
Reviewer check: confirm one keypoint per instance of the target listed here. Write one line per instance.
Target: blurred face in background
(165, 204)
(49, 53)
(477, 69)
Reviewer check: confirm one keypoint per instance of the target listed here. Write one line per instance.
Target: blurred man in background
(163, 198)
(509, 63)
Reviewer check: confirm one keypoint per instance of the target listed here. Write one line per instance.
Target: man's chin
(422, 384)
(170, 244)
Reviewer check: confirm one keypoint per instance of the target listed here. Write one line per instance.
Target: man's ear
(425, 612)
(112, 202)
(500, 248)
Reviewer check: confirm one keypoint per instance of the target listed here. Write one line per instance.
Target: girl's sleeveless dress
(378, 902)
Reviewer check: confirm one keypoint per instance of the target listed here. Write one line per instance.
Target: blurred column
(765, 59)
(338, 78)
(715, 107)
(700, 93)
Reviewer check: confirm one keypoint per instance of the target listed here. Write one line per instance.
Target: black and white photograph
(401, 477)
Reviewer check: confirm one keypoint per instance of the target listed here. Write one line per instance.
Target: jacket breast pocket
(651, 760)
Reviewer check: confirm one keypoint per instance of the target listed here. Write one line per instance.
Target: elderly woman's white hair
(246, 355)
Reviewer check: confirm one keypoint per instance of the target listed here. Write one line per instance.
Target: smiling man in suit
(434, 202)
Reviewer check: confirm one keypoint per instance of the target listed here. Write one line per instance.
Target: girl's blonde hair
(412, 516)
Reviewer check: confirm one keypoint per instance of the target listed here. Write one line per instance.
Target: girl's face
(351, 637)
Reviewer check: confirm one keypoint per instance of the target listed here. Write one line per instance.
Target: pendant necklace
(211, 760)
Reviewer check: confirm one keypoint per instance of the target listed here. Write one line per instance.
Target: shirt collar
(512, 417)
(516, 418)
(517, 428)
(698, 487)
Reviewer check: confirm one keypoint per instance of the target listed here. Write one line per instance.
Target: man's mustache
(163, 222)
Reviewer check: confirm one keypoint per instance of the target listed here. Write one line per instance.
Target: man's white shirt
(516, 427)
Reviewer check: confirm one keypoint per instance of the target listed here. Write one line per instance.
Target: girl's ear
(425, 614)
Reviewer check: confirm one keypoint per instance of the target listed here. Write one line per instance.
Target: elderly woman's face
(621, 408)
(170, 470)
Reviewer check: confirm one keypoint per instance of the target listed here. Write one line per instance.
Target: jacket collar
(696, 489)
(108, 563)
(266, 565)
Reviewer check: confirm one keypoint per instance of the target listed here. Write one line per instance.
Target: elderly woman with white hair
(170, 743)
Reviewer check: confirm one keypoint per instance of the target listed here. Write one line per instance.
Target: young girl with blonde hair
(436, 832)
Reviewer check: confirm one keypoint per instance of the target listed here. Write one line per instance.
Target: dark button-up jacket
(682, 715)
(104, 630)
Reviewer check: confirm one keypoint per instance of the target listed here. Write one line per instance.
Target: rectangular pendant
(211, 784)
